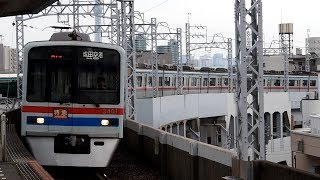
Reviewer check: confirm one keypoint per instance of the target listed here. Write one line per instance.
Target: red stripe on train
(42, 109)
(221, 87)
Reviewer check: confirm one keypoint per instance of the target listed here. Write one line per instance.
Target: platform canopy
(18, 7)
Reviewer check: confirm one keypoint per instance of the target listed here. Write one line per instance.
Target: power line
(156, 6)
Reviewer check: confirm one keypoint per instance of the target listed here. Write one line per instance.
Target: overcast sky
(217, 15)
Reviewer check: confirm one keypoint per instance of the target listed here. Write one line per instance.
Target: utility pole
(250, 129)
(308, 56)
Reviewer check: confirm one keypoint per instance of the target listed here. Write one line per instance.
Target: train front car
(73, 102)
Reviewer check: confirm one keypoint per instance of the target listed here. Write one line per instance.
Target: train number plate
(60, 113)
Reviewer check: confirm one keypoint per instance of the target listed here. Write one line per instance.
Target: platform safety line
(15, 152)
(40, 170)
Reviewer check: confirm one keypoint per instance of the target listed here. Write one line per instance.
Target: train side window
(166, 81)
(264, 82)
(139, 81)
(183, 81)
(305, 83)
(277, 82)
(193, 81)
(145, 79)
(298, 83)
(212, 81)
(160, 81)
(219, 81)
(269, 82)
(173, 81)
(226, 81)
(188, 81)
(149, 81)
(313, 83)
(205, 82)
(291, 82)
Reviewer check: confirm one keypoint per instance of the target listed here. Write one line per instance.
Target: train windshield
(98, 76)
(83, 75)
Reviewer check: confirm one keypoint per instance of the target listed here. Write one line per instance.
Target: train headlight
(105, 122)
(40, 120)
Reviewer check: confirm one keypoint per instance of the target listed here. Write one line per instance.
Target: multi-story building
(7, 59)
(171, 49)
(145, 57)
(141, 42)
(206, 60)
(174, 50)
(305, 142)
(297, 62)
(217, 59)
(314, 45)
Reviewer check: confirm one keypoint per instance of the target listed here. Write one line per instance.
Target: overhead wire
(156, 6)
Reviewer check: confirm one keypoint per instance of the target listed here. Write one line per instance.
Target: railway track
(124, 166)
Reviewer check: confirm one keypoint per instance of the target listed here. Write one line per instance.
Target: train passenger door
(200, 83)
(298, 84)
(60, 97)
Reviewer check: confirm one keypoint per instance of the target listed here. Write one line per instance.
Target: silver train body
(195, 82)
(73, 102)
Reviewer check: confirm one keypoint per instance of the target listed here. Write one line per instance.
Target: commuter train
(195, 82)
(73, 100)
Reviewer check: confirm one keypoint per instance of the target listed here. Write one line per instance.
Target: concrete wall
(273, 63)
(309, 107)
(264, 170)
(164, 110)
(160, 111)
(178, 157)
(295, 98)
(306, 162)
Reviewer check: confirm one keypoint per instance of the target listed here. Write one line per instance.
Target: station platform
(19, 163)
(9, 171)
